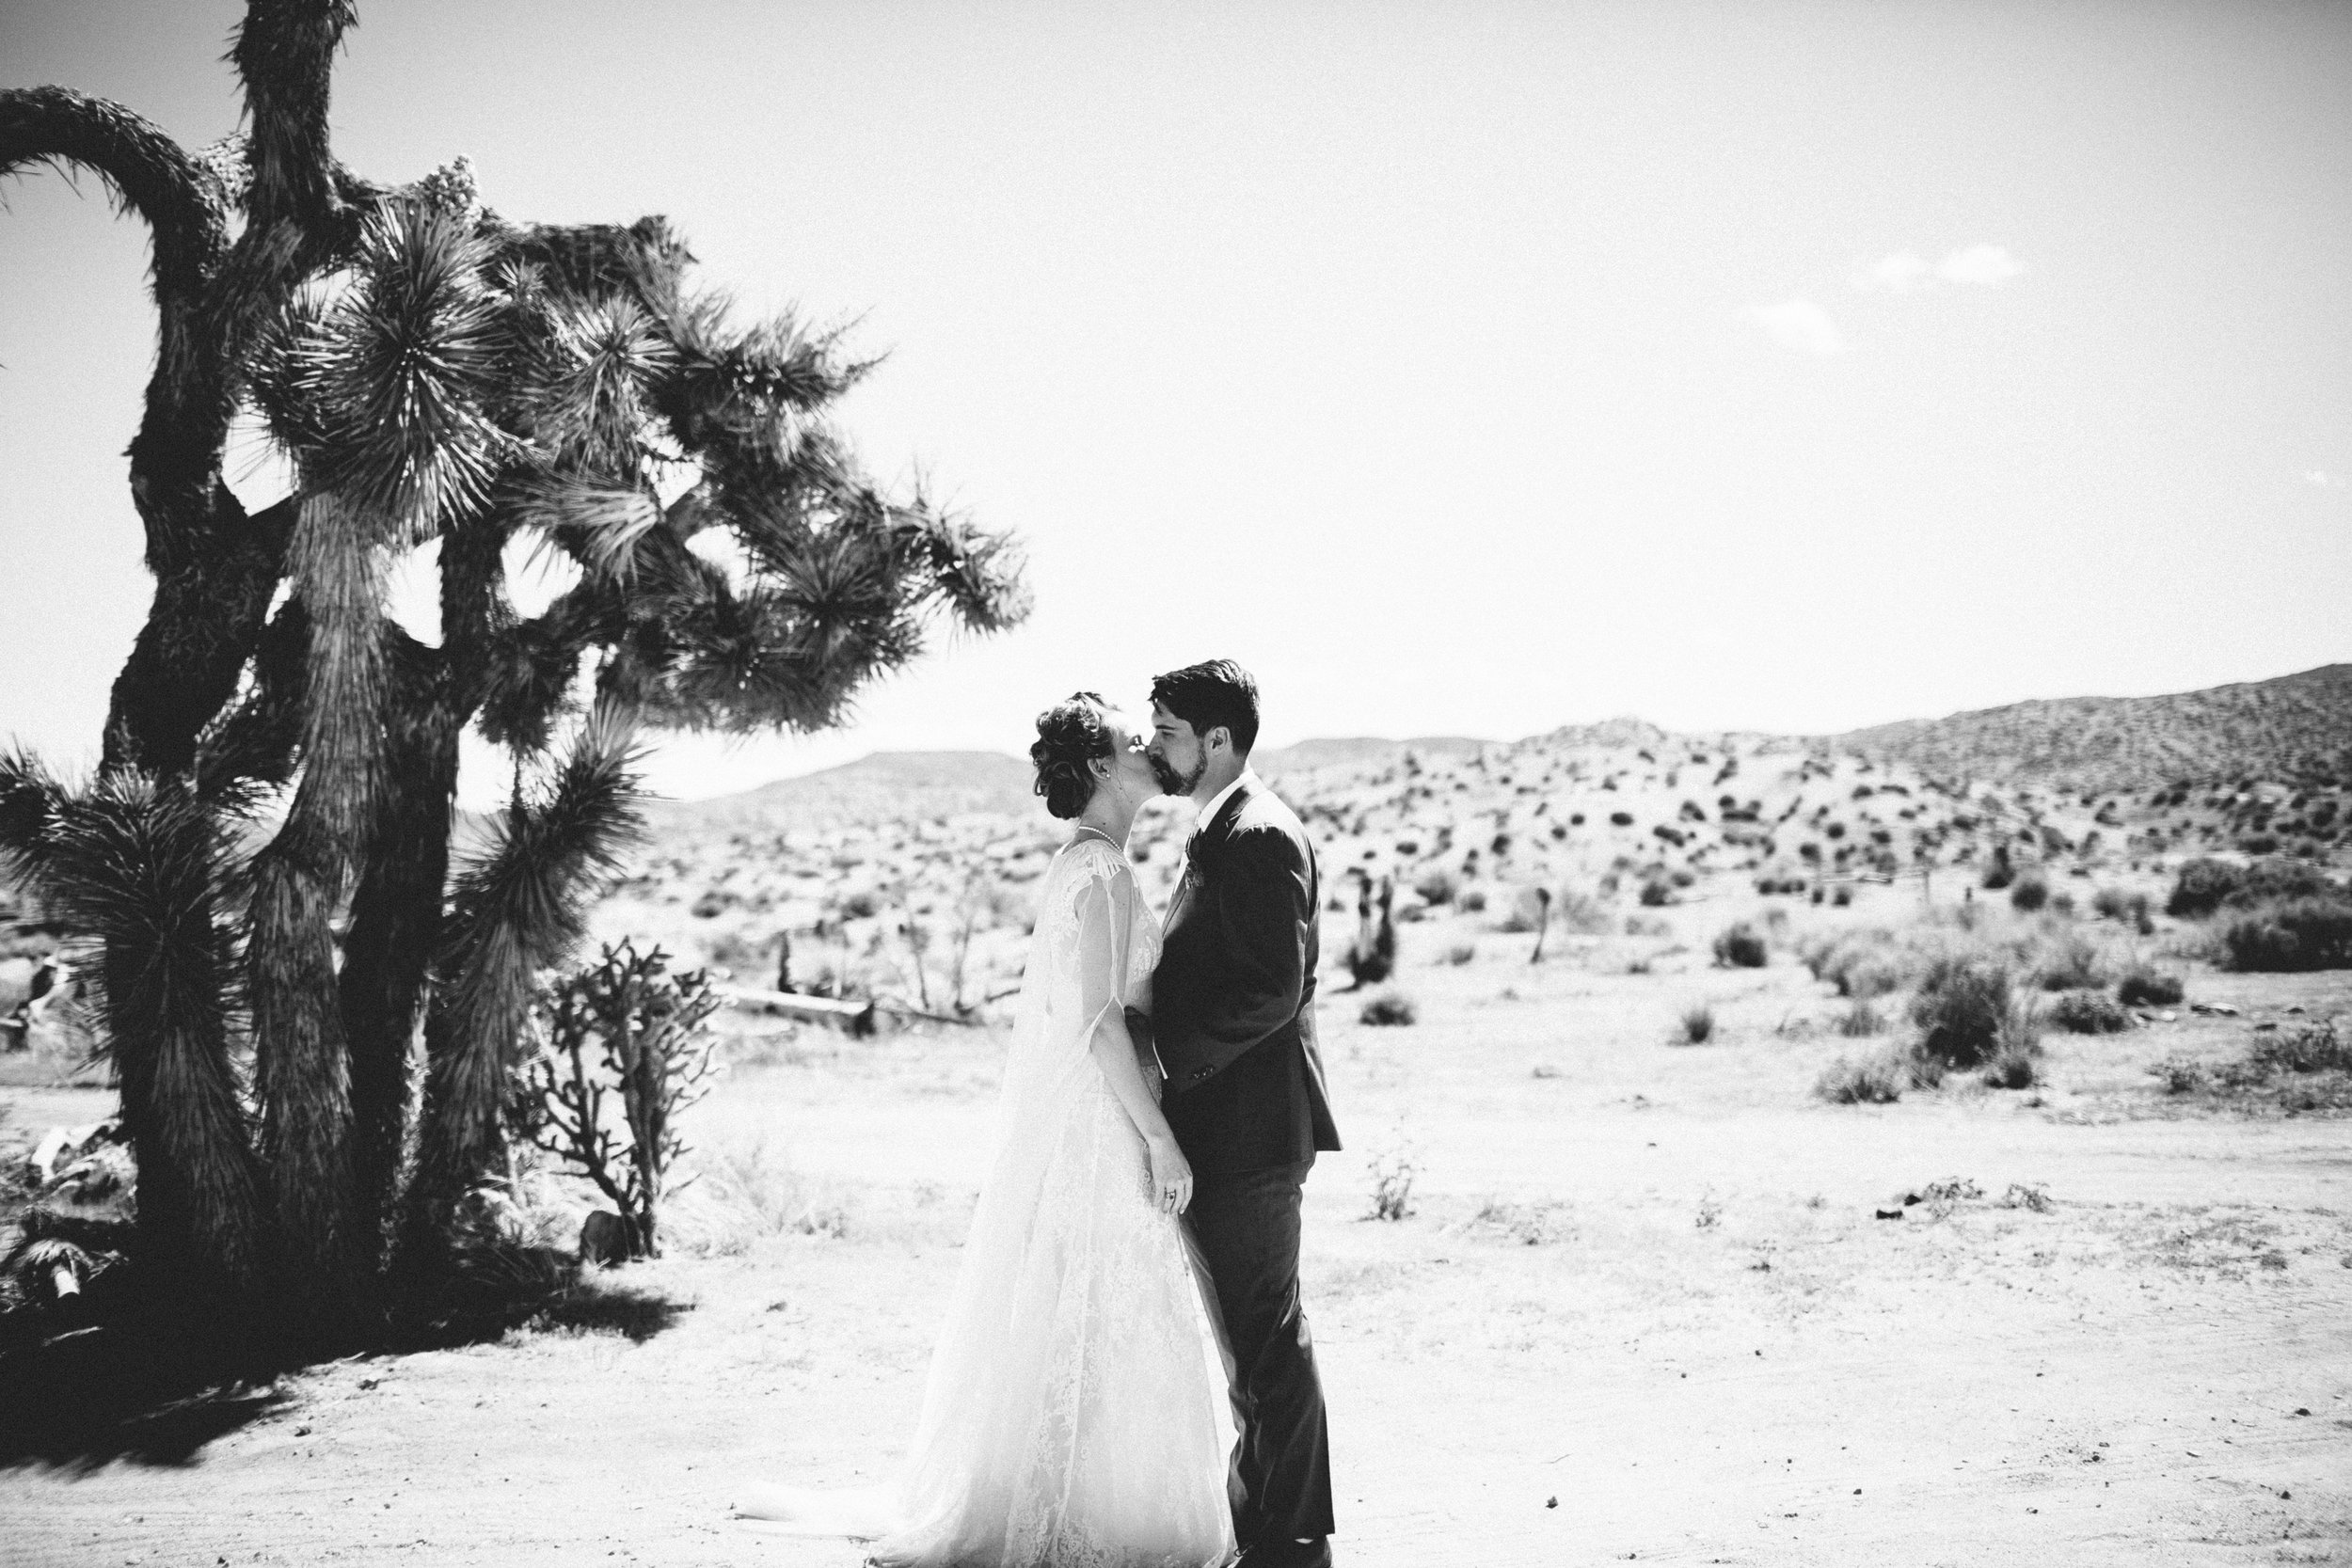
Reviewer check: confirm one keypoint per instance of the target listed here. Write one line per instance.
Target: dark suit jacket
(1234, 998)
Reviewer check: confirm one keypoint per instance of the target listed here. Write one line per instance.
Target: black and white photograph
(1100, 784)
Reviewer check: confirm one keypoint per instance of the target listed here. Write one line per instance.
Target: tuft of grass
(1392, 1176)
(1861, 1020)
(2178, 1074)
(1390, 1009)
(1461, 953)
(1697, 1025)
(1878, 1080)
(2028, 894)
(2075, 964)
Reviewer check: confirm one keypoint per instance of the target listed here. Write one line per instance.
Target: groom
(1234, 1027)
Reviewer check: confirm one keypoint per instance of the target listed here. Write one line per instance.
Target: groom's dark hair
(1210, 694)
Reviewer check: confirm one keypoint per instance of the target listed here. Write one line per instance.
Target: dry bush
(2143, 986)
(1389, 1008)
(1860, 1019)
(2073, 964)
(1393, 1174)
(2313, 1048)
(2088, 1012)
(1461, 953)
(2290, 934)
(2029, 894)
(2113, 903)
(1967, 1012)
(1742, 946)
(1525, 1224)
(1876, 1080)
(1696, 1025)
(1436, 885)
(1862, 963)
(2204, 885)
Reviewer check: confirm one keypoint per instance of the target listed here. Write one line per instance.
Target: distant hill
(884, 786)
(1358, 750)
(2295, 729)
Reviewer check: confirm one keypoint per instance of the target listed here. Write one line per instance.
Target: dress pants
(1248, 1227)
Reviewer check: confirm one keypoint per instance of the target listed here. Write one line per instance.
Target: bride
(1076, 1411)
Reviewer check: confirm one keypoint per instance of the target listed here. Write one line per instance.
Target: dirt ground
(1641, 1309)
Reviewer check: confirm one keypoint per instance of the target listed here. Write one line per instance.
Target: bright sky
(1466, 369)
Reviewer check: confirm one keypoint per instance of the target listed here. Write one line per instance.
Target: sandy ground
(1642, 1310)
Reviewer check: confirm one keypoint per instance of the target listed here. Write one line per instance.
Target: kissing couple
(1126, 1379)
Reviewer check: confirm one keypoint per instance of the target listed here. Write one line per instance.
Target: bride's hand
(1171, 1176)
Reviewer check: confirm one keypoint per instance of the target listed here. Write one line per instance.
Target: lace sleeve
(1103, 928)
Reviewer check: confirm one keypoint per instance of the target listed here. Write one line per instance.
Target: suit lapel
(1203, 844)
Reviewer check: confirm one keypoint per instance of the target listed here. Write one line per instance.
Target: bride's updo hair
(1070, 735)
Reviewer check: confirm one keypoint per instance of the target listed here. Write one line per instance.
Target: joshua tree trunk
(459, 379)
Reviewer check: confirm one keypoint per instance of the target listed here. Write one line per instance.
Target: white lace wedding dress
(1076, 1415)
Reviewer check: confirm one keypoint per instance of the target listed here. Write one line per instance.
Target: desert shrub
(2063, 903)
(1579, 911)
(2178, 1074)
(1999, 873)
(2029, 894)
(2113, 903)
(625, 1048)
(1461, 953)
(1878, 1080)
(1392, 1176)
(1621, 819)
(2144, 987)
(1657, 891)
(1470, 900)
(1388, 1009)
(2073, 964)
(1436, 885)
(2314, 1048)
(2289, 934)
(2201, 886)
(1861, 964)
(1966, 1010)
(860, 904)
(1860, 1020)
(1842, 894)
(1697, 1025)
(2011, 1068)
(1742, 946)
(2088, 1012)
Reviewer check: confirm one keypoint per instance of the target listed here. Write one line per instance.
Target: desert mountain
(2293, 730)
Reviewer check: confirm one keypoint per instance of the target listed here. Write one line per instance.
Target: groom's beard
(1173, 782)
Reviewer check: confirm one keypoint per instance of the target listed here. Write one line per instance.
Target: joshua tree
(443, 380)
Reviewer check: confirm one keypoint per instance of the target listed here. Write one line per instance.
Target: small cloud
(1800, 324)
(2320, 479)
(1987, 265)
(1898, 273)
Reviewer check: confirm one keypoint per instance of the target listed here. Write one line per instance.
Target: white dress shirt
(1216, 803)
